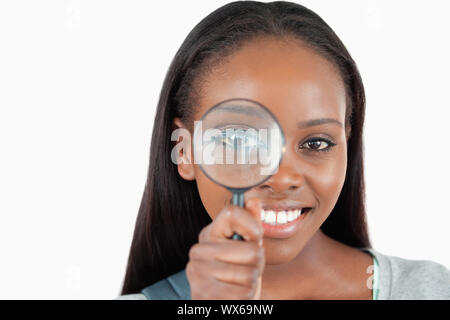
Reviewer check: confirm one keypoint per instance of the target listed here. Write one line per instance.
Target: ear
(181, 153)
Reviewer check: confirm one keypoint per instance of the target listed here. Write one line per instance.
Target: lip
(283, 204)
(288, 229)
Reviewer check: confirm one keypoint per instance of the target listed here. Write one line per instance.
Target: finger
(234, 273)
(235, 219)
(231, 251)
(257, 295)
(218, 290)
(254, 206)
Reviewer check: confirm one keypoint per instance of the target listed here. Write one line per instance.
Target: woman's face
(298, 86)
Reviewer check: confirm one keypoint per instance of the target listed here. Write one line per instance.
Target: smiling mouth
(282, 217)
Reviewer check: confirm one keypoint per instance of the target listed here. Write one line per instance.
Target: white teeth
(290, 216)
(280, 217)
(270, 217)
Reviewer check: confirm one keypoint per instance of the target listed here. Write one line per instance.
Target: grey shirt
(394, 279)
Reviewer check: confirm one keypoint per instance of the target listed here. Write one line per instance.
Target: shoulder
(174, 287)
(133, 296)
(419, 279)
(401, 278)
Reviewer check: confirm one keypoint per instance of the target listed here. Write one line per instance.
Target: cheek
(213, 196)
(328, 180)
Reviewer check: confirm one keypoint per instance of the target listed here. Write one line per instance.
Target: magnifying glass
(238, 144)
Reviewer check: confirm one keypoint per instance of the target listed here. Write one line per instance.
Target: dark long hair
(171, 213)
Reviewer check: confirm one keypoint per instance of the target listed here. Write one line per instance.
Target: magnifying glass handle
(238, 200)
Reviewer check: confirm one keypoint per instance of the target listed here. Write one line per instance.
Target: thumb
(257, 295)
(254, 206)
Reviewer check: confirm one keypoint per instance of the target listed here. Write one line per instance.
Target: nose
(285, 180)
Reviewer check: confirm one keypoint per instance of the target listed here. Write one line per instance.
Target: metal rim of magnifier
(276, 121)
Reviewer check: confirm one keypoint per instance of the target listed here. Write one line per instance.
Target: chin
(278, 253)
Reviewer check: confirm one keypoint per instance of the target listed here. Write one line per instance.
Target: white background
(79, 83)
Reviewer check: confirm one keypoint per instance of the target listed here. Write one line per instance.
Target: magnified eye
(241, 140)
(229, 142)
(241, 145)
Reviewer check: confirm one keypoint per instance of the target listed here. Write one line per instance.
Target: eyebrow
(317, 122)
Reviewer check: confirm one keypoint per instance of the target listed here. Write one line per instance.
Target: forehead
(293, 81)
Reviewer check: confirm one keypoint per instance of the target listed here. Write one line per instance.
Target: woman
(286, 57)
